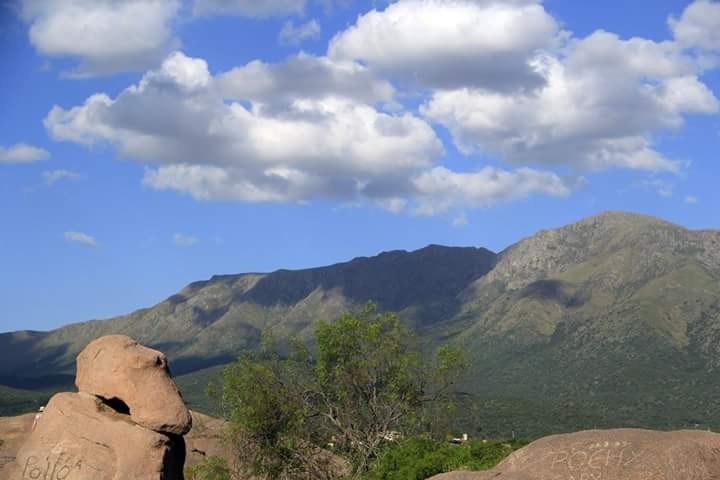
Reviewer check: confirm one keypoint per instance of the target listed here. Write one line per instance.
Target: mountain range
(611, 321)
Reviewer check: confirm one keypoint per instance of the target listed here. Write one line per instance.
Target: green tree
(370, 382)
(265, 400)
(365, 387)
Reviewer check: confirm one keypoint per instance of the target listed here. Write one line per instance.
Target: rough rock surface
(13, 433)
(466, 475)
(206, 439)
(79, 437)
(621, 454)
(117, 367)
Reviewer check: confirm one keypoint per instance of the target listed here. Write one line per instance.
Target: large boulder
(621, 454)
(120, 370)
(13, 433)
(205, 439)
(81, 438)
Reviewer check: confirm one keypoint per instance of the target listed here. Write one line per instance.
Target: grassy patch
(420, 457)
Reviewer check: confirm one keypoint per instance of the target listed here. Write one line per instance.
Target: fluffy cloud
(22, 153)
(499, 75)
(294, 35)
(53, 176)
(81, 238)
(699, 25)
(440, 189)
(106, 36)
(601, 103)
(248, 8)
(303, 77)
(452, 43)
(254, 135)
(316, 146)
(505, 80)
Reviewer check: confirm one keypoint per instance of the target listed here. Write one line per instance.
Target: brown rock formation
(14, 431)
(204, 440)
(117, 367)
(79, 437)
(126, 423)
(622, 454)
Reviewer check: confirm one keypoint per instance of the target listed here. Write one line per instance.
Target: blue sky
(145, 144)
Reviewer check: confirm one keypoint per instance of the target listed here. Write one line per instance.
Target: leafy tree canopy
(364, 386)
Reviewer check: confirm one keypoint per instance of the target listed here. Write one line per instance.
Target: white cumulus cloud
(329, 145)
(507, 81)
(452, 43)
(699, 25)
(290, 132)
(500, 76)
(440, 189)
(601, 103)
(105, 36)
(22, 153)
(303, 77)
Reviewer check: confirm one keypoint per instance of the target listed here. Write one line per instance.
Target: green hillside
(612, 321)
(15, 402)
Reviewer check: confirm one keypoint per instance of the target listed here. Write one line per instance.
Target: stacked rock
(126, 422)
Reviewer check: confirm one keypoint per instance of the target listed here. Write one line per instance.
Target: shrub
(213, 468)
(421, 457)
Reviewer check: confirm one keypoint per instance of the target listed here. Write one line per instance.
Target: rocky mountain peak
(553, 251)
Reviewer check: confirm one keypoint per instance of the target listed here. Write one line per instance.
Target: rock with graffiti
(621, 454)
(83, 436)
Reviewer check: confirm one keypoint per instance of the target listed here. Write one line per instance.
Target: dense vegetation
(338, 411)
(421, 457)
(415, 458)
